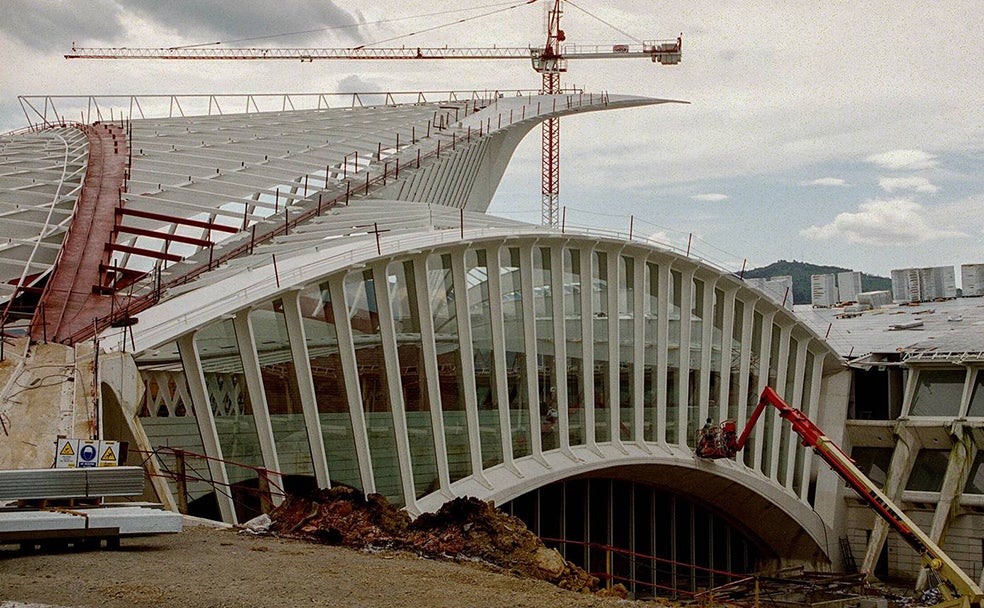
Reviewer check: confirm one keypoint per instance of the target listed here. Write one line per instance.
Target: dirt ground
(204, 567)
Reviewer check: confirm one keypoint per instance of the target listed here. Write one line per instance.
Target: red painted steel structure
(68, 300)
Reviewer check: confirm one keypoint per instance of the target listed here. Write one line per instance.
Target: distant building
(778, 289)
(831, 289)
(923, 284)
(823, 289)
(848, 286)
(972, 279)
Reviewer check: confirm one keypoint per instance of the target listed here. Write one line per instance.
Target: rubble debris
(463, 529)
(258, 526)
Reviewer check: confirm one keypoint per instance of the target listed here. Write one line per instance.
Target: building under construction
(307, 291)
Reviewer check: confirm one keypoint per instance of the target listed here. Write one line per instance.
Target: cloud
(916, 184)
(231, 19)
(884, 222)
(47, 25)
(899, 160)
(711, 197)
(826, 181)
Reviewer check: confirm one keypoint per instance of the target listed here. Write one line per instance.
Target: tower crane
(549, 60)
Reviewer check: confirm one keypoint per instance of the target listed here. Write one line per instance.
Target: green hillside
(802, 271)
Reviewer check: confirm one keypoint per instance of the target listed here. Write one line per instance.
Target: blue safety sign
(87, 455)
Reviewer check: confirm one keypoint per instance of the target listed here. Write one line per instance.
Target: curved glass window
(650, 366)
(363, 312)
(626, 350)
(938, 392)
(515, 342)
(673, 358)
(446, 340)
(545, 352)
(334, 415)
(280, 386)
(228, 396)
(575, 348)
(602, 382)
(413, 379)
(697, 290)
(477, 277)
(732, 356)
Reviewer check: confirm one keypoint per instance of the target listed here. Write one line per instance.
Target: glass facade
(381, 414)
(363, 313)
(413, 379)
(318, 316)
(281, 389)
(449, 365)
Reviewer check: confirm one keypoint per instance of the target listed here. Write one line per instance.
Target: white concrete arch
(495, 360)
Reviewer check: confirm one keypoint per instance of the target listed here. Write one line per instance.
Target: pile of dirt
(463, 529)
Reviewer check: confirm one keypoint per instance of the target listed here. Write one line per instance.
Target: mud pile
(463, 529)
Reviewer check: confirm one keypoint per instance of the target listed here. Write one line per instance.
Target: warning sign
(88, 453)
(72, 453)
(66, 456)
(109, 453)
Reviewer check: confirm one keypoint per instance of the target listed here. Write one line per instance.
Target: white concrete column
(779, 426)
(638, 305)
(810, 409)
(662, 348)
(792, 440)
(614, 356)
(904, 456)
(727, 340)
(745, 357)
(206, 425)
(683, 380)
(706, 347)
(763, 381)
(587, 348)
(958, 469)
(353, 388)
(394, 385)
(257, 396)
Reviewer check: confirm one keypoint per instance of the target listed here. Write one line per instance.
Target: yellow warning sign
(66, 454)
(108, 451)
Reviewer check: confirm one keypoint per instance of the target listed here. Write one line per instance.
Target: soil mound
(463, 529)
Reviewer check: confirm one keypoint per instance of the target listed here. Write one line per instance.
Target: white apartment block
(972, 279)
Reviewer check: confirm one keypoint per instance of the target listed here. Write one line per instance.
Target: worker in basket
(717, 441)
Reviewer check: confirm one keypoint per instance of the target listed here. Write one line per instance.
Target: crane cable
(593, 16)
(511, 5)
(437, 27)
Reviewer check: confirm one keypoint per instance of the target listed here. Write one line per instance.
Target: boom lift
(956, 588)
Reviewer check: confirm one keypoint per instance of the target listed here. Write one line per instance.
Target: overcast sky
(845, 133)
